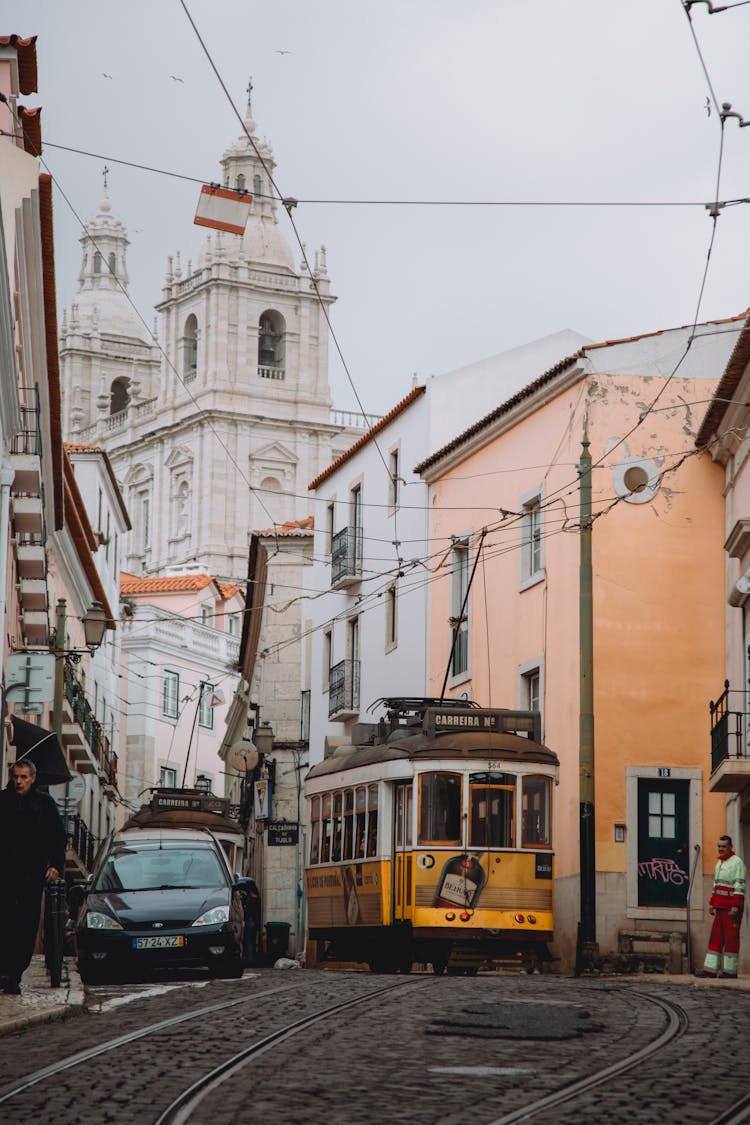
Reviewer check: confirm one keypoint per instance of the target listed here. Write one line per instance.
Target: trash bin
(277, 939)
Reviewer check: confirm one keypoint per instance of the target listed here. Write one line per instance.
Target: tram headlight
(519, 917)
(450, 916)
(531, 918)
(464, 916)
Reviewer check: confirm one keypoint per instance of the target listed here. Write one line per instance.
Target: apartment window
(168, 777)
(206, 615)
(327, 657)
(205, 710)
(393, 470)
(460, 613)
(530, 690)
(532, 553)
(232, 625)
(170, 694)
(330, 522)
(391, 617)
(304, 716)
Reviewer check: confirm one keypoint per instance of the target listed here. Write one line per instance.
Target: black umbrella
(43, 748)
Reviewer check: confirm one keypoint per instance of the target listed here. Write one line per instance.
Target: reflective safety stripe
(711, 964)
(730, 962)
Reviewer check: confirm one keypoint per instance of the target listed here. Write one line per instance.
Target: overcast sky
(523, 100)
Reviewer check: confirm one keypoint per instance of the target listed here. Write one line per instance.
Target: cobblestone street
(430, 1050)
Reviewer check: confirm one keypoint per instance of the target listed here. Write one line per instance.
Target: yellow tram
(431, 839)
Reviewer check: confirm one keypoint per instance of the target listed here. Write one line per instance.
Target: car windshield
(145, 869)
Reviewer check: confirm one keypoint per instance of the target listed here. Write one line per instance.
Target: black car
(160, 897)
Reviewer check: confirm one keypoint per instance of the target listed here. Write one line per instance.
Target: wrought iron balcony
(91, 729)
(82, 843)
(730, 757)
(343, 690)
(346, 556)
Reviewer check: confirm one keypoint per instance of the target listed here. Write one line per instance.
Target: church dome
(102, 300)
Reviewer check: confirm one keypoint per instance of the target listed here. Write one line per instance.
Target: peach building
(505, 503)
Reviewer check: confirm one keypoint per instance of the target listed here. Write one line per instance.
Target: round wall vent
(636, 480)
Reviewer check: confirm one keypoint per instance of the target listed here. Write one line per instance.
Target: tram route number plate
(161, 942)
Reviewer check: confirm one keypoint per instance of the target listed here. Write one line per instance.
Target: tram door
(402, 854)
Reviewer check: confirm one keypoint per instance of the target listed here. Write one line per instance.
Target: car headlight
(97, 921)
(213, 917)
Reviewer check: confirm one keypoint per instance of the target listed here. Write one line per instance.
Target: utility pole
(57, 706)
(587, 925)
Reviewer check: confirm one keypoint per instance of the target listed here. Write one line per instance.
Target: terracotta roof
(371, 433)
(131, 584)
(291, 528)
(50, 335)
(26, 54)
(662, 332)
(228, 590)
(504, 408)
(728, 384)
(31, 125)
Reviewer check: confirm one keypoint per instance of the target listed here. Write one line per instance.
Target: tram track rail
(735, 1114)
(181, 1107)
(677, 1024)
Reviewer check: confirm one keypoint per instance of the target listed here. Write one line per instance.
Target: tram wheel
(439, 966)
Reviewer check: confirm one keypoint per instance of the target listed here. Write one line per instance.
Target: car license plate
(161, 942)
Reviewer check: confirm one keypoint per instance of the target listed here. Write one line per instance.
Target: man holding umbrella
(32, 852)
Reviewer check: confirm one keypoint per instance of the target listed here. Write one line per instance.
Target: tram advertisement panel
(349, 895)
(482, 881)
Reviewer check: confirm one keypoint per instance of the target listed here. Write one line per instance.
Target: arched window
(256, 184)
(275, 500)
(240, 182)
(182, 510)
(119, 395)
(113, 264)
(97, 262)
(190, 344)
(271, 344)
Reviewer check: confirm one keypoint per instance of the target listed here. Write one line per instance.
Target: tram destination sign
(482, 720)
(282, 833)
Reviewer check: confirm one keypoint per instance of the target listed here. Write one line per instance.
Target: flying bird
(282, 52)
(708, 107)
(106, 75)
(176, 79)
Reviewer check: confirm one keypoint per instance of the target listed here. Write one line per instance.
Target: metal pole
(586, 719)
(57, 706)
(192, 731)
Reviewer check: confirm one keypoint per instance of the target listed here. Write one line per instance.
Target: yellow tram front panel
(496, 889)
(349, 894)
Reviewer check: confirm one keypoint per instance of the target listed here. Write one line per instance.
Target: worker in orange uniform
(726, 904)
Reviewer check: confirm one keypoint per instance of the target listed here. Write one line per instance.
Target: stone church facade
(217, 428)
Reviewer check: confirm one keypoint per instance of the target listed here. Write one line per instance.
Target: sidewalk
(38, 1002)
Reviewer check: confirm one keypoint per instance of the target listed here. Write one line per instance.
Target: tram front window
(536, 819)
(440, 808)
(492, 797)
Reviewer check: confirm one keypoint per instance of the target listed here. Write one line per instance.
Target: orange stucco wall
(658, 592)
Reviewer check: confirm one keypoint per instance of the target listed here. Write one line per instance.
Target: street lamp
(94, 626)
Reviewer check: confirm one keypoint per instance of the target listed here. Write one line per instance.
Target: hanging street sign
(223, 209)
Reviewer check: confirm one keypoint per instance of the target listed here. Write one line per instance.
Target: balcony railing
(346, 556)
(267, 372)
(89, 724)
(82, 841)
(28, 440)
(729, 728)
(343, 689)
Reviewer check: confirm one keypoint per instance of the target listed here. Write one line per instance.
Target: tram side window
(338, 827)
(325, 830)
(315, 830)
(348, 824)
(361, 818)
(492, 799)
(440, 808)
(535, 803)
(372, 820)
